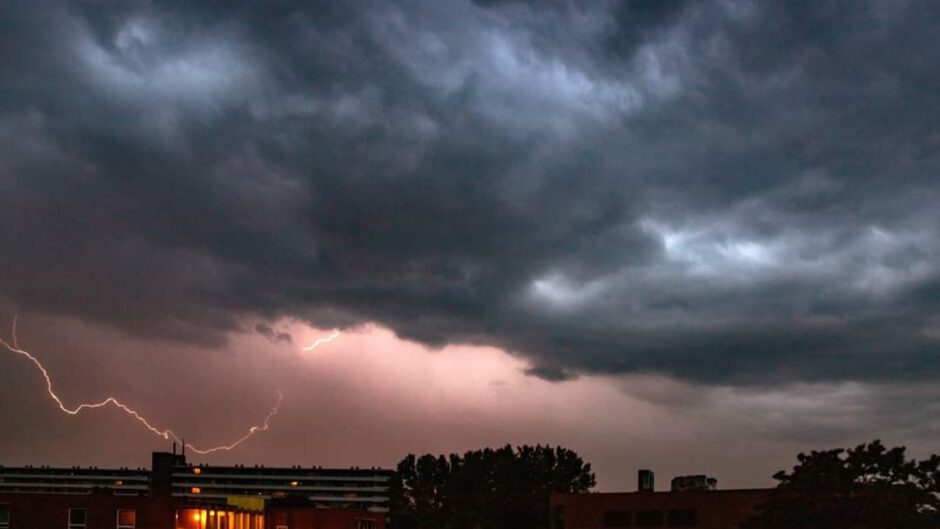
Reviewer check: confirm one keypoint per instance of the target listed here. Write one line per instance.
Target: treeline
(503, 488)
(866, 487)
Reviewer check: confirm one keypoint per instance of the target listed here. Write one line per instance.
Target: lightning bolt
(251, 431)
(14, 347)
(320, 341)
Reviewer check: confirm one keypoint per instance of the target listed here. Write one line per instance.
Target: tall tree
(504, 488)
(866, 487)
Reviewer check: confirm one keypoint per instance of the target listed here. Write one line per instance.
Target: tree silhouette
(867, 487)
(485, 489)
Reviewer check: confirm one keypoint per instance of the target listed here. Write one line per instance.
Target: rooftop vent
(699, 482)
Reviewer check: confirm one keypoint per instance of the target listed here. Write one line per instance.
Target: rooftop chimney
(645, 481)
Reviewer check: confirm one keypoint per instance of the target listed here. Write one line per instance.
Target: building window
(126, 519)
(618, 518)
(649, 518)
(4, 517)
(77, 518)
(683, 518)
(365, 524)
(282, 527)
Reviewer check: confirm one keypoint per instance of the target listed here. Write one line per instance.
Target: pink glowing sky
(368, 398)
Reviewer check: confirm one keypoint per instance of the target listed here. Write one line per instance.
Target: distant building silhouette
(687, 483)
(694, 501)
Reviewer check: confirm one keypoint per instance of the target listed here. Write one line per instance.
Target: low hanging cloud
(731, 193)
(272, 335)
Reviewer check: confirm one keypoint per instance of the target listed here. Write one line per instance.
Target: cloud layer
(726, 192)
(368, 398)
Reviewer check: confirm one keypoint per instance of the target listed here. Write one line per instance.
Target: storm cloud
(724, 192)
(273, 336)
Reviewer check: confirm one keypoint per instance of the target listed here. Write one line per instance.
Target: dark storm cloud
(719, 191)
(273, 336)
(549, 373)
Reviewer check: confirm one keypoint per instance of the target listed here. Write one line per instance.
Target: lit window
(365, 524)
(77, 518)
(126, 519)
(197, 471)
(4, 516)
(282, 527)
(195, 490)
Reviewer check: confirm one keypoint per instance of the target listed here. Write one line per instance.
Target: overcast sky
(687, 235)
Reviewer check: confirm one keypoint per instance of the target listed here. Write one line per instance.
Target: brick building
(693, 502)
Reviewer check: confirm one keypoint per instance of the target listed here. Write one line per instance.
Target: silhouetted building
(176, 495)
(693, 502)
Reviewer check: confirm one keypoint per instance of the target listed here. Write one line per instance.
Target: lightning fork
(14, 347)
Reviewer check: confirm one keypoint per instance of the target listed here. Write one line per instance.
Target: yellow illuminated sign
(249, 503)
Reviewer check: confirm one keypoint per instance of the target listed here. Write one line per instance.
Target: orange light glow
(294, 483)
(195, 490)
(211, 513)
(197, 470)
(118, 482)
(196, 516)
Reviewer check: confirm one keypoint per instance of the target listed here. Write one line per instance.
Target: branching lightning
(166, 434)
(320, 341)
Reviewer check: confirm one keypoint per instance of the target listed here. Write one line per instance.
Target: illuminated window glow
(126, 519)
